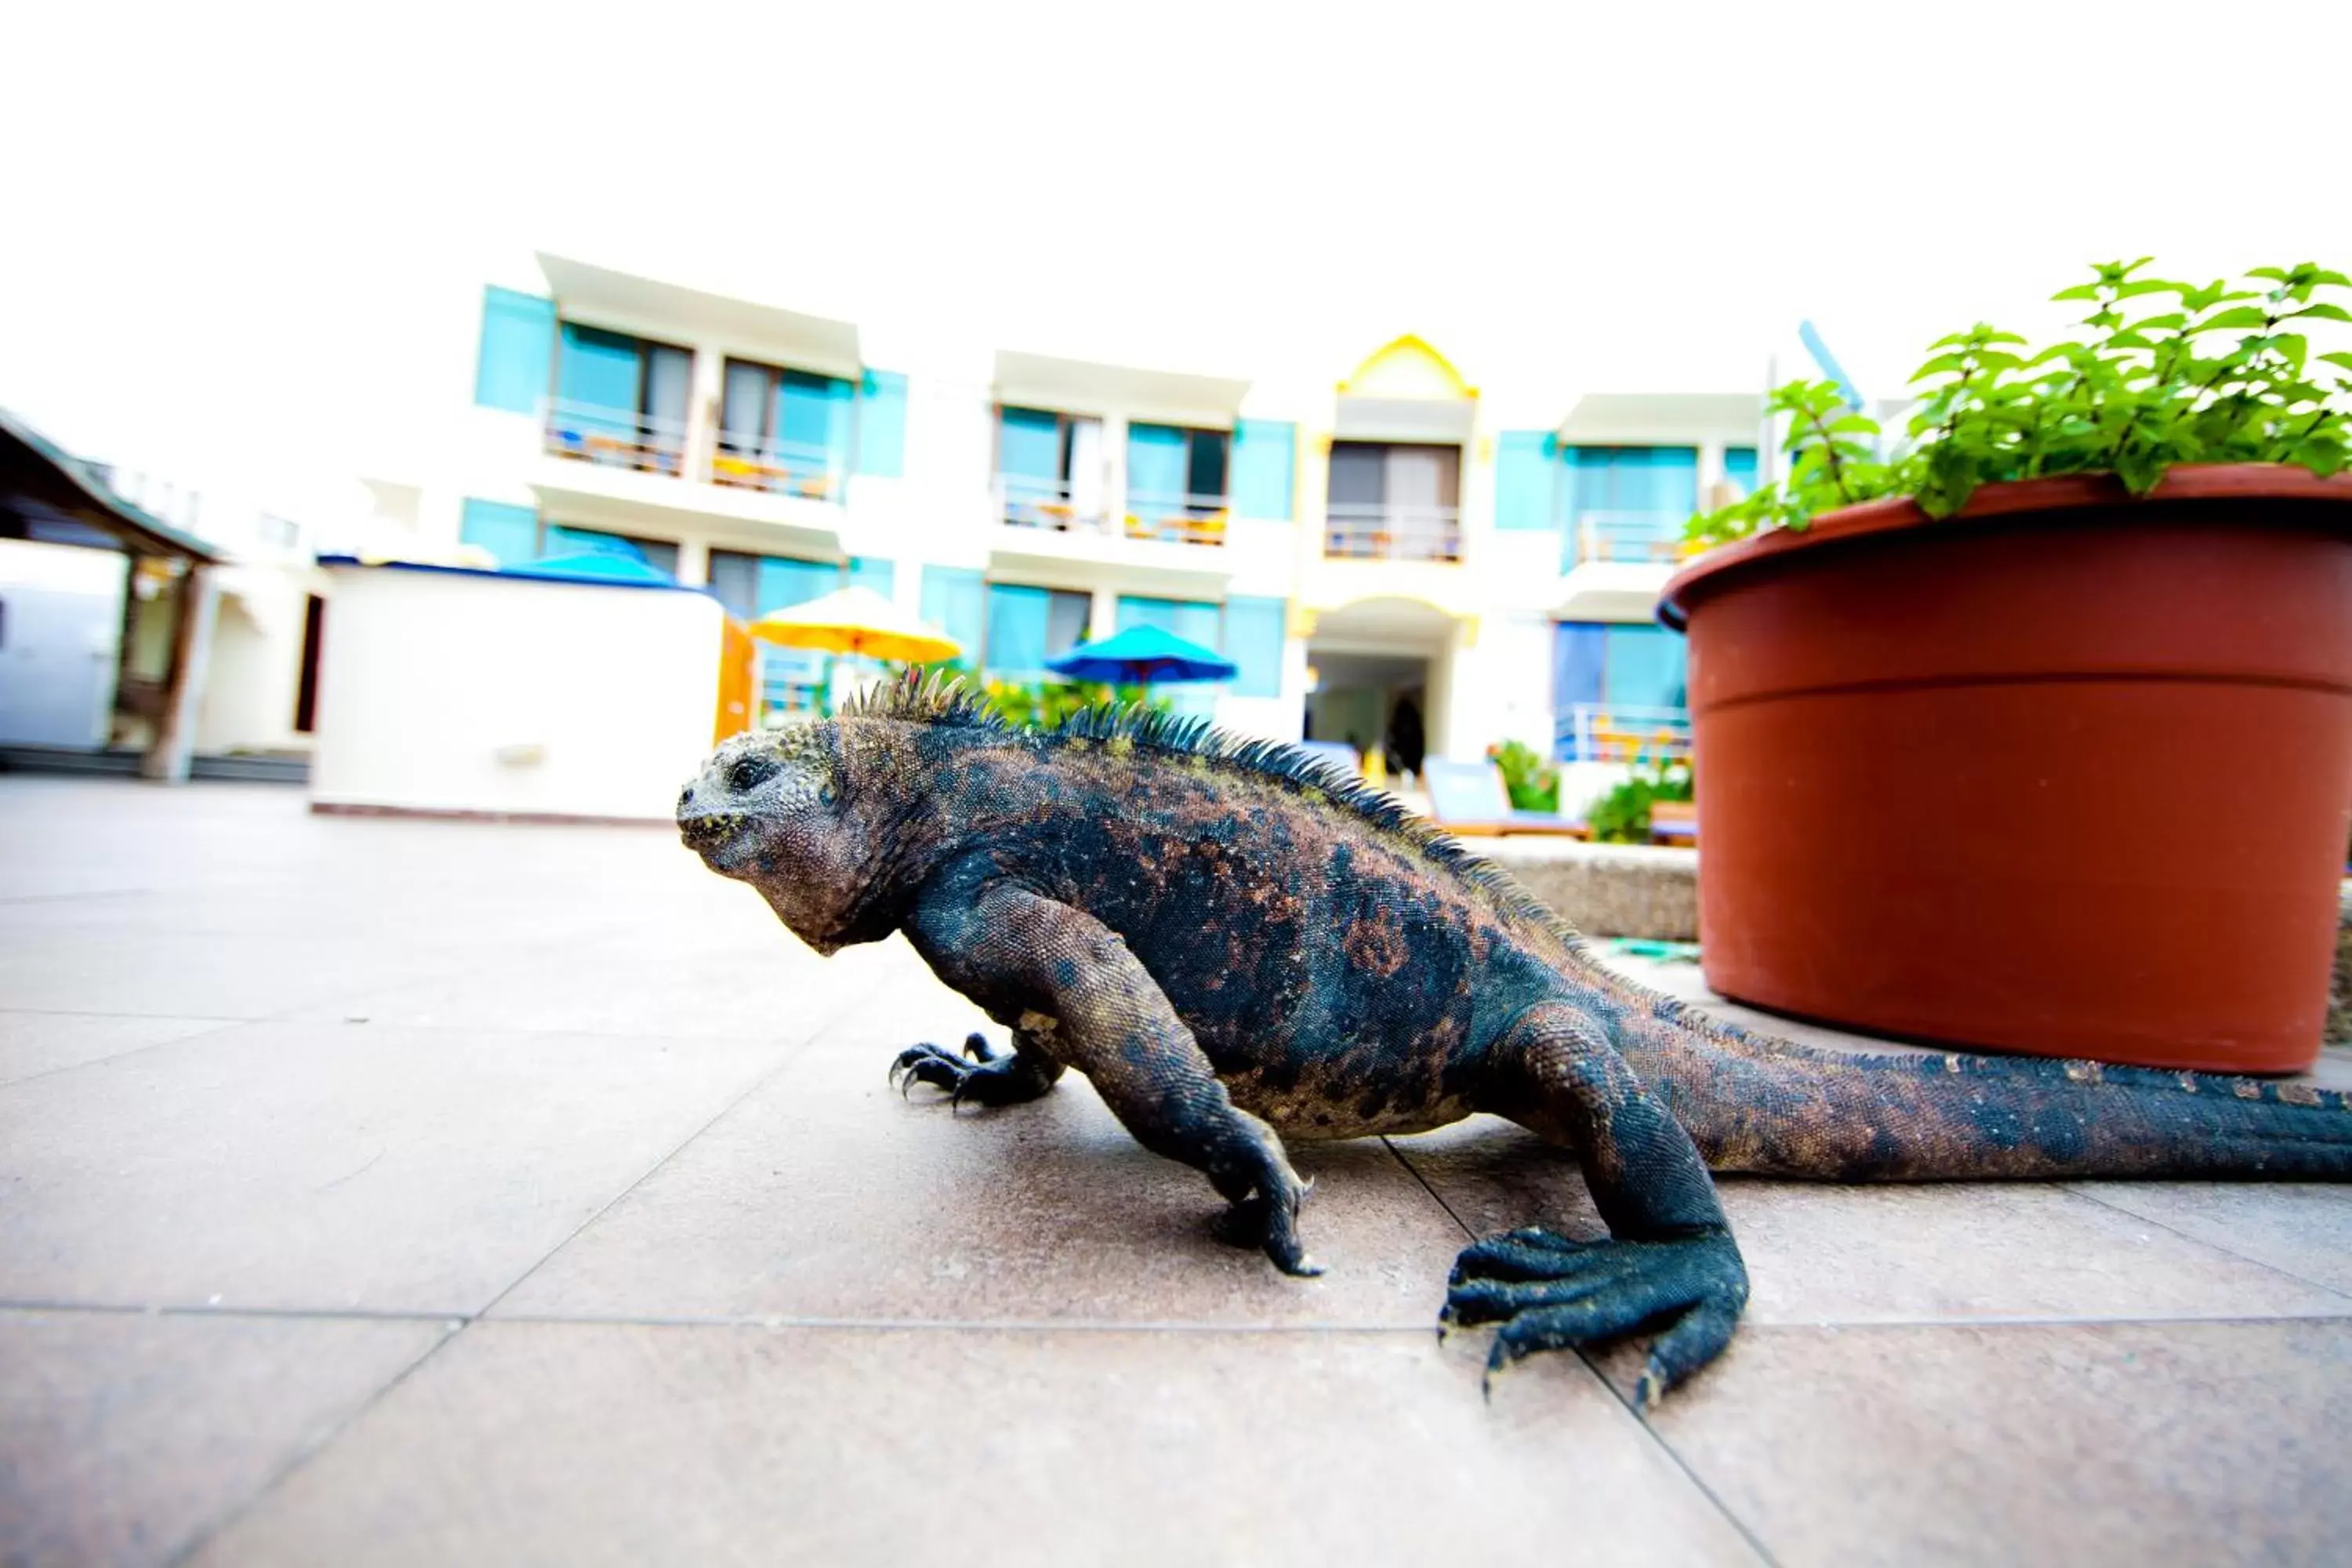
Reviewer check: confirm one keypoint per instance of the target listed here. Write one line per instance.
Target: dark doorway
(306, 695)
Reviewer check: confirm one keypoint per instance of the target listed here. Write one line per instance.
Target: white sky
(244, 244)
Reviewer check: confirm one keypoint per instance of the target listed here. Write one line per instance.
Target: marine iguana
(1236, 944)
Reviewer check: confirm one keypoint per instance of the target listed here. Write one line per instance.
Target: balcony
(617, 439)
(1610, 732)
(1380, 531)
(1052, 505)
(807, 472)
(1646, 536)
(1178, 518)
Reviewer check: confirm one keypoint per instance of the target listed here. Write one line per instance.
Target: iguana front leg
(1018, 953)
(1670, 1262)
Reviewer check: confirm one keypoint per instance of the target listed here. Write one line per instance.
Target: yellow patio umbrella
(856, 621)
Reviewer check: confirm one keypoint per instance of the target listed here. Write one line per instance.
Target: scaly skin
(1236, 946)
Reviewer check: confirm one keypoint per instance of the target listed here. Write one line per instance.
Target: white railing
(1048, 504)
(1617, 732)
(1375, 530)
(780, 468)
(1625, 536)
(616, 437)
(1178, 520)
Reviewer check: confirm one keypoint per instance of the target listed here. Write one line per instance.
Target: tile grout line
(304, 1452)
(221, 1027)
(302, 1457)
(1739, 1525)
(2077, 1190)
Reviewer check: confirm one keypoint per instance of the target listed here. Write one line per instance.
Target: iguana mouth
(723, 838)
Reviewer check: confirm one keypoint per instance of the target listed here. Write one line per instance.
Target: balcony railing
(1625, 536)
(1614, 732)
(616, 437)
(1178, 520)
(1048, 504)
(746, 462)
(1378, 532)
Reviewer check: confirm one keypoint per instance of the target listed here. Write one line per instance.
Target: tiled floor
(387, 1192)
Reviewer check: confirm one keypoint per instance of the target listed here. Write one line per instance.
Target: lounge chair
(1467, 799)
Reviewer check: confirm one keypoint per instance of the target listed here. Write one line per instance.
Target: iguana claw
(1550, 1292)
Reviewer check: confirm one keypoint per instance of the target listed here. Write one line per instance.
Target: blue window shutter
(882, 425)
(868, 572)
(518, 347)
(1016, 630)
(1028, 444)
(1739, 467)
(1265, 453)
(1523, 473)
(1645, 667)
(511, 533)
(1579, 655)
(784, 582)
(1255, 630)
(1155, 465)
(954, 601)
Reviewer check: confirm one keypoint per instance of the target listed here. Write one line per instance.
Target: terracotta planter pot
(2070, 774)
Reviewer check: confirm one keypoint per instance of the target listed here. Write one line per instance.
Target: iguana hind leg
(988, 1077)
(1669, 1264)
(1017, 953)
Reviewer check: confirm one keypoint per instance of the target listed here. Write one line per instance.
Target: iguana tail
(1774, 1107)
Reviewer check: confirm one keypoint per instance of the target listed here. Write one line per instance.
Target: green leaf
(2324, 311)
(2242, 316)
(2079, 291)
(2344, 360)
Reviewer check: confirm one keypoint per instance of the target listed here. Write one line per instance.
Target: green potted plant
(2035, 731)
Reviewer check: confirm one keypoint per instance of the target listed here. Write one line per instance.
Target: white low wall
(465, 691)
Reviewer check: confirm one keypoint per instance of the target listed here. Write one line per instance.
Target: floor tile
(826, 1196)
(124, 1434)
(580, 1445)
(33, 1043)
(2302, 1229)
(337, 1166)
(2140, 1444)
(1820, 1253)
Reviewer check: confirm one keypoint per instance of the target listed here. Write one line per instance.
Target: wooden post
(175, 745)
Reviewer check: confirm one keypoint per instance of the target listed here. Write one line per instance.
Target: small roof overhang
(1084, 386)
(599, 296)
(46, 492)
(1652, 418)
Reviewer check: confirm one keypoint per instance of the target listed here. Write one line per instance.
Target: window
(1176, 482)
(1629, 503)
(1618, 691)
(1027, 625)
(1740, 468)
(786, 431)
(1394, 501)
(1049, 468)
(509, 532)
(791, 681)
(1264, 454)
(619, 400)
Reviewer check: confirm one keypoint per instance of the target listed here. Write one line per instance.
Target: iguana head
(776, 809)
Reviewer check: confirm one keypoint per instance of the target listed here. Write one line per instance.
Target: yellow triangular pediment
(1408, 369)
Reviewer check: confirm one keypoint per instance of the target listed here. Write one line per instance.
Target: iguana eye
(826, 794)
(751, 772)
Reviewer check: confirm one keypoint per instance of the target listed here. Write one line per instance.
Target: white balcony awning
(1663, 418)
(1082, 387)
(649, 307)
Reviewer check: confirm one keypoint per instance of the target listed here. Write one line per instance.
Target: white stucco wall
(462, 691)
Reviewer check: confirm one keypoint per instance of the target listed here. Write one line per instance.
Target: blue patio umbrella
(1142, 655)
